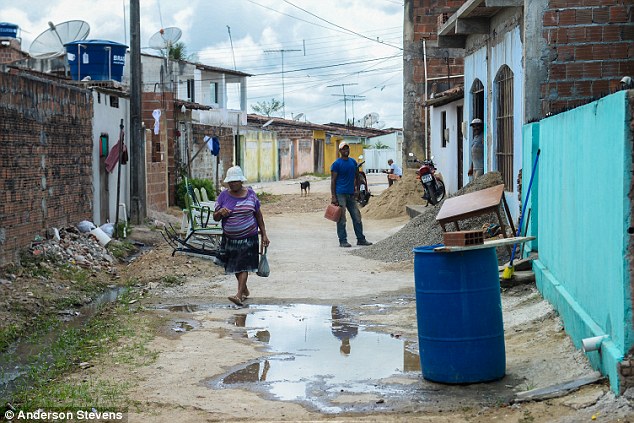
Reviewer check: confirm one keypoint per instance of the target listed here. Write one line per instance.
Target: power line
(282, 51)
(341, 27)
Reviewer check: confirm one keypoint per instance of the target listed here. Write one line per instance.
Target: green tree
(178, 51)
(267, 108)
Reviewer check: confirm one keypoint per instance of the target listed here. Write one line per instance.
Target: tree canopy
(267, 108)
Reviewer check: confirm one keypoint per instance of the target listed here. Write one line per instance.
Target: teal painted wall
(582, 221)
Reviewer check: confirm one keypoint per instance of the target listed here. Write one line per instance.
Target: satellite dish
(50, 43)
(298, 116)
(165, 38)
(380, 125)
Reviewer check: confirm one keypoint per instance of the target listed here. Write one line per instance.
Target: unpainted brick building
(45, 159)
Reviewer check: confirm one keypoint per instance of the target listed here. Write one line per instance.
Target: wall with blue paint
(582, 221)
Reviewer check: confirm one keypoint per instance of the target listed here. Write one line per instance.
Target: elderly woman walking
(239, 209)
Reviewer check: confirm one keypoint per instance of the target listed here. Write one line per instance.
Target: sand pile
(425, 230)
(392, 201)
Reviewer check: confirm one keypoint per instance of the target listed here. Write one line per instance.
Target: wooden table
(475, 204)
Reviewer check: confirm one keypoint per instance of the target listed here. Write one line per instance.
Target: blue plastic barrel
(8, 30)
(100, 59)
(459, 315)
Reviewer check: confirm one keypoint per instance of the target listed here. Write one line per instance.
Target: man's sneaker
(364, 242)
(345, 244)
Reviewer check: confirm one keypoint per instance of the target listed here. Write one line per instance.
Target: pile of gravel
(425, 230)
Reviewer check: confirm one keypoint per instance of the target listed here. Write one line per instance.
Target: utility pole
(345, 105)
(354, 98)
(137, 139)
(282, 51)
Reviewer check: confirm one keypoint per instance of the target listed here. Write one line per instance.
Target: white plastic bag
(85, 226)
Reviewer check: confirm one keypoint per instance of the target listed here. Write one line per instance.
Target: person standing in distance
(477, 150)
(394, 174)
(343, 187)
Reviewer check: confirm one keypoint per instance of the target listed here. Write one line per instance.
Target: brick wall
(12, 52)
(590, 47)
(422, 18)
(159, 153)
(45, 159)
(204, 164)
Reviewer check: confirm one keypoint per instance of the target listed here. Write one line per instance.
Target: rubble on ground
(75, 248)
(425, 230)
(392, 201)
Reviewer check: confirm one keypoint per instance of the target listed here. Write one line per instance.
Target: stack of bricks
(463, 238)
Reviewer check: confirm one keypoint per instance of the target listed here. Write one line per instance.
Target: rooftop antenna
(163, 40)
(50, 43)
(282, 51)
(345, 99)
(298, 116)
(232, 52)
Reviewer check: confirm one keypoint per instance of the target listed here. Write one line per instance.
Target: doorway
(460, 143)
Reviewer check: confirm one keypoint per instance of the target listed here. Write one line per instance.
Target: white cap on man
(343, 144)
(476, 121)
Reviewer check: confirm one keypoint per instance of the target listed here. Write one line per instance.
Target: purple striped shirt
(241, 223)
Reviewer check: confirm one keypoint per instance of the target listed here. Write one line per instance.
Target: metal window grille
(504, 119)
(477, 96)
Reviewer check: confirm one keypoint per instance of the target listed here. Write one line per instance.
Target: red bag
(333, 212)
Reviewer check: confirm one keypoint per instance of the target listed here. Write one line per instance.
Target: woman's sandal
(235, 300)
(246, 294)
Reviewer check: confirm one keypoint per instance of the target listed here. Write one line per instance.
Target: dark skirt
(240, 255)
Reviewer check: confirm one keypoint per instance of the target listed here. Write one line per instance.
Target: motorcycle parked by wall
(432, 181)
(362, 185)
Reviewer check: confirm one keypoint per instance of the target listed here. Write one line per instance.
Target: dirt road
(331, 335)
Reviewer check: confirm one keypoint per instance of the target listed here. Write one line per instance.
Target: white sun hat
(235, 174)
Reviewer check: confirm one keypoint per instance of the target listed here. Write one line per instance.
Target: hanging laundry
(213, 144)
(113, 155)
(156, 113)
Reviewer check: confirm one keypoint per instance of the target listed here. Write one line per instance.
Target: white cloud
(256, 26)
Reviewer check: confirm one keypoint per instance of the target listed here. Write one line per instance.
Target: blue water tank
(100, 59)
(8, 30)
(459, 315)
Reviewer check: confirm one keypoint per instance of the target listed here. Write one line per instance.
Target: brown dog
(305, 187)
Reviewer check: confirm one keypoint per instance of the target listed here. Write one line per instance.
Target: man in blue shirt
(394, 174)
(343, 187)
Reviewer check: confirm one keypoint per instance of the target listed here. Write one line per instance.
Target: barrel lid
(96, 43)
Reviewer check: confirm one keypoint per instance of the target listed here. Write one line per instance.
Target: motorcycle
(362, 185)
(432, 182)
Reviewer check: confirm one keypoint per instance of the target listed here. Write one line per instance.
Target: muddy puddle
(317, 354)
(17, 360)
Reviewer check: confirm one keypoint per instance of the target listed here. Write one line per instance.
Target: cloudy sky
(331, 47)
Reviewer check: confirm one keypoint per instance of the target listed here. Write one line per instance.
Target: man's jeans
(347, 201)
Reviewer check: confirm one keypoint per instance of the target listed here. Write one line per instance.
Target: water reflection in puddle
(318, 348)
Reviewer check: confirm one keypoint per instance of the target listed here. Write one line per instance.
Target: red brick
(565, 89)
(594, 33)
(600, 88)
(551, 18)
(618, 14)
(583, 88)
(611, 33)
(592, 70)
(575, 34)
(618, 51)
(601, 15)
(583, 16)
(565, 53)
(567, 17)
(610, 70)
(574, 71)
(583, 52)
(557, 72)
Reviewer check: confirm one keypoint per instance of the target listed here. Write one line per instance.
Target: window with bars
(477, 98)
(504, 124)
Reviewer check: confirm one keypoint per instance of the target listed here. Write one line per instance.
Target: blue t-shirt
(346, 174)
